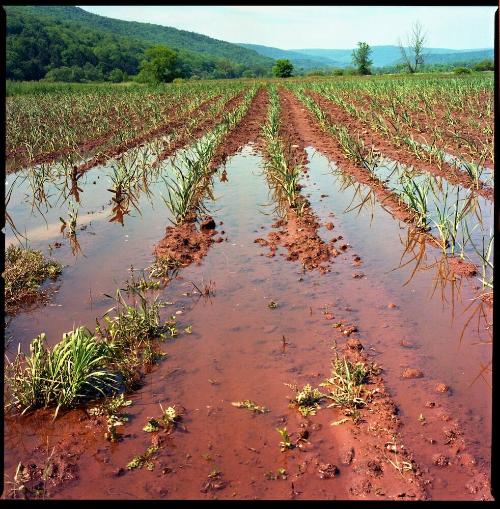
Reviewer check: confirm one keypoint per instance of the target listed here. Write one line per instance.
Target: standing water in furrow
(257, 324)
(413, 315)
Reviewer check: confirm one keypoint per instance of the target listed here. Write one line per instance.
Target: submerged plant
(250, 405)
(143, 459)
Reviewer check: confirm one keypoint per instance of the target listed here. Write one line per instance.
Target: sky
(339, 27)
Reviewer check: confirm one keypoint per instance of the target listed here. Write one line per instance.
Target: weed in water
(285, 444)
(346, 385)
(250, 405)
(76, 369)
(25, 270)
(307, 400)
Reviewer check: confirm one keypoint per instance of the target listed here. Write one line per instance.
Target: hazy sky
(319, 26)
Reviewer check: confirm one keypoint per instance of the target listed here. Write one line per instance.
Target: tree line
(46, 48)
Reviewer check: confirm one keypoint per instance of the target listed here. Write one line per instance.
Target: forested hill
(45, 39)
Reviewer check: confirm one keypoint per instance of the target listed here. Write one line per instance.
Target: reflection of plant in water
(481, 312)
(72, 221)
(8, 217)
(486, 256)
(368, 199)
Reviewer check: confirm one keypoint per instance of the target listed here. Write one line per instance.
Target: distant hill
(299, 60)
(390, 55)
(63, 25)
(381, 55)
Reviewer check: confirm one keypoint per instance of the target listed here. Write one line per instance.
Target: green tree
(361, 58)
(116, 76)
(159, 66)
(283, 68)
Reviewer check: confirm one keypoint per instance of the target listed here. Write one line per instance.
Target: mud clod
(440, 460)
(347, 455)
(354, 344)
(412, 373)
(327, 471)
(442, 388)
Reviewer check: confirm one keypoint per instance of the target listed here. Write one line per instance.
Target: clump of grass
(307, 400)
(250, 405)
(25, 271)
(347, 385)
(86, 365)
(75, 370)
(130, 332)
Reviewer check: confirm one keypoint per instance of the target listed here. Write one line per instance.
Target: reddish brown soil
(461, 267)
(185, 244)
(199, 130)
(299, 235)
(166, 127)
(248, 130)
(370, 137)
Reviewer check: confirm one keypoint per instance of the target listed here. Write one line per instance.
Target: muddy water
(433, 320)
(476, 226)
(236, 350)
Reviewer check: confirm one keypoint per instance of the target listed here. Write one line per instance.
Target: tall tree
(159, 66)
(283, 68)
(413, 53)
(361, 58)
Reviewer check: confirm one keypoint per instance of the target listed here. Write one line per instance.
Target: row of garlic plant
(282, 175)
(192, 167)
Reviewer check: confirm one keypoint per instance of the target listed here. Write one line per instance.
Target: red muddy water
(240, 349)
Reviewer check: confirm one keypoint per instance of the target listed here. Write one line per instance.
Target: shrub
(462, 70)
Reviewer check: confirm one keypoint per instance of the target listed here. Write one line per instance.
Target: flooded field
(332, 313)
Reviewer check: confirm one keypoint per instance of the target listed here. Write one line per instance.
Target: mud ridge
(298, 234)
(248, 130)
(184, 243)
